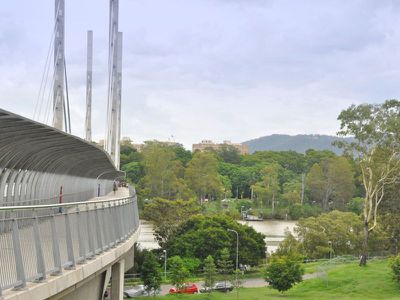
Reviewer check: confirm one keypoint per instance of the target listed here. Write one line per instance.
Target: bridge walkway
(62, 236)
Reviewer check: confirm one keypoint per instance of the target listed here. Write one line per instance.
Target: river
(274, 231)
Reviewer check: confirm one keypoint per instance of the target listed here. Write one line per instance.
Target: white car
(135, 291)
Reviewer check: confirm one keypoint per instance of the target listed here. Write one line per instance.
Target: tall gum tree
(376, 148)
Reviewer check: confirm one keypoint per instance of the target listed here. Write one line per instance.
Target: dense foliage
(201, 236)
(332, 234)
(167, 215)
(178, 273)
(150, 273)
(282, 184)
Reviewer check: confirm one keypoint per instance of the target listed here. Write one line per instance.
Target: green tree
(356, 205)
(162, 171)
(332, 180)
(210, 272)
(134, 171)
(241, 177)
(150, 273)
(283, 272)
(202, 176)
(129, 154)
(183, 155)
(229, 154)
(290, 246)
(313, 157)
(390, 225)
(376, 148)
(268, 188)
(167, 215)
(336, 232)
(292, 192)
(177, 271)
(225, 265)
(201, 236)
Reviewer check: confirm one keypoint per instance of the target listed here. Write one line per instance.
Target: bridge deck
(76, 235)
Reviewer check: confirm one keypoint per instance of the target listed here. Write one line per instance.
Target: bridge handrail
(38, 240)
(72, 204)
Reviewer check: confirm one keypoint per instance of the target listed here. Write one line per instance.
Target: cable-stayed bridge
(66, 229)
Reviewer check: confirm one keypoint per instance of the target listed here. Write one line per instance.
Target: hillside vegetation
(299, 143)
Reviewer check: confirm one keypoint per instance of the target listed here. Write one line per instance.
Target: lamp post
(97, 180)
(165, 265)
(237, 258)
(330, 250)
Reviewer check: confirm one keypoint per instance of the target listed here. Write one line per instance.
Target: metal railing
(36, 241)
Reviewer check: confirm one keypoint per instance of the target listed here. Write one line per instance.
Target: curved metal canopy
(29, 145)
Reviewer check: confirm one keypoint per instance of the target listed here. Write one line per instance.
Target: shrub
(283, 272)
(297, 211)
(395, 266)
(191, 264)
(356, 205)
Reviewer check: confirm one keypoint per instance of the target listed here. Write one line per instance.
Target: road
(247, 283)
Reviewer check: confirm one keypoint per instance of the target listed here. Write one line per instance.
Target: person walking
(115, 187)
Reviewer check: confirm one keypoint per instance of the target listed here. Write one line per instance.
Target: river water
(274, 231)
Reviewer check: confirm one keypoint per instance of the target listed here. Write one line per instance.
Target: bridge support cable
(67, 113)
(44, 79)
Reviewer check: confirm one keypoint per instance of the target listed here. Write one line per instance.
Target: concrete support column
(117, 280)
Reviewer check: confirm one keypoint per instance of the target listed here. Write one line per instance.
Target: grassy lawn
(344, 282)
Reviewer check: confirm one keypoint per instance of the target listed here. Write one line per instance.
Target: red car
(187, 288)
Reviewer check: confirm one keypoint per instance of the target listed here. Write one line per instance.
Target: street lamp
(237, 255)
(330, 250)
(165, 265)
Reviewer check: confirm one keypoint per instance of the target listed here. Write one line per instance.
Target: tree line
(363, 182)
(277, 184)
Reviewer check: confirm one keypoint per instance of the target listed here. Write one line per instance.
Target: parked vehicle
(187, 288)
(219, 287)
(135, 291)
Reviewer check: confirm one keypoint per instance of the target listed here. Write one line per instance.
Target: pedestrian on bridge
(115, 187)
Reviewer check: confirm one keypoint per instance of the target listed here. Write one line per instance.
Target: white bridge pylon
(113, 134)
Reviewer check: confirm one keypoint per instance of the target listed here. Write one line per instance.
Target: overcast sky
(211, 69)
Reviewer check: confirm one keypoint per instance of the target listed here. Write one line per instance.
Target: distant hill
(299, 143)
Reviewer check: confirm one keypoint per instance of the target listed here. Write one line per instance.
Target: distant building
(139, 147)
(128, 142)
(166, 143)
(208, 144)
